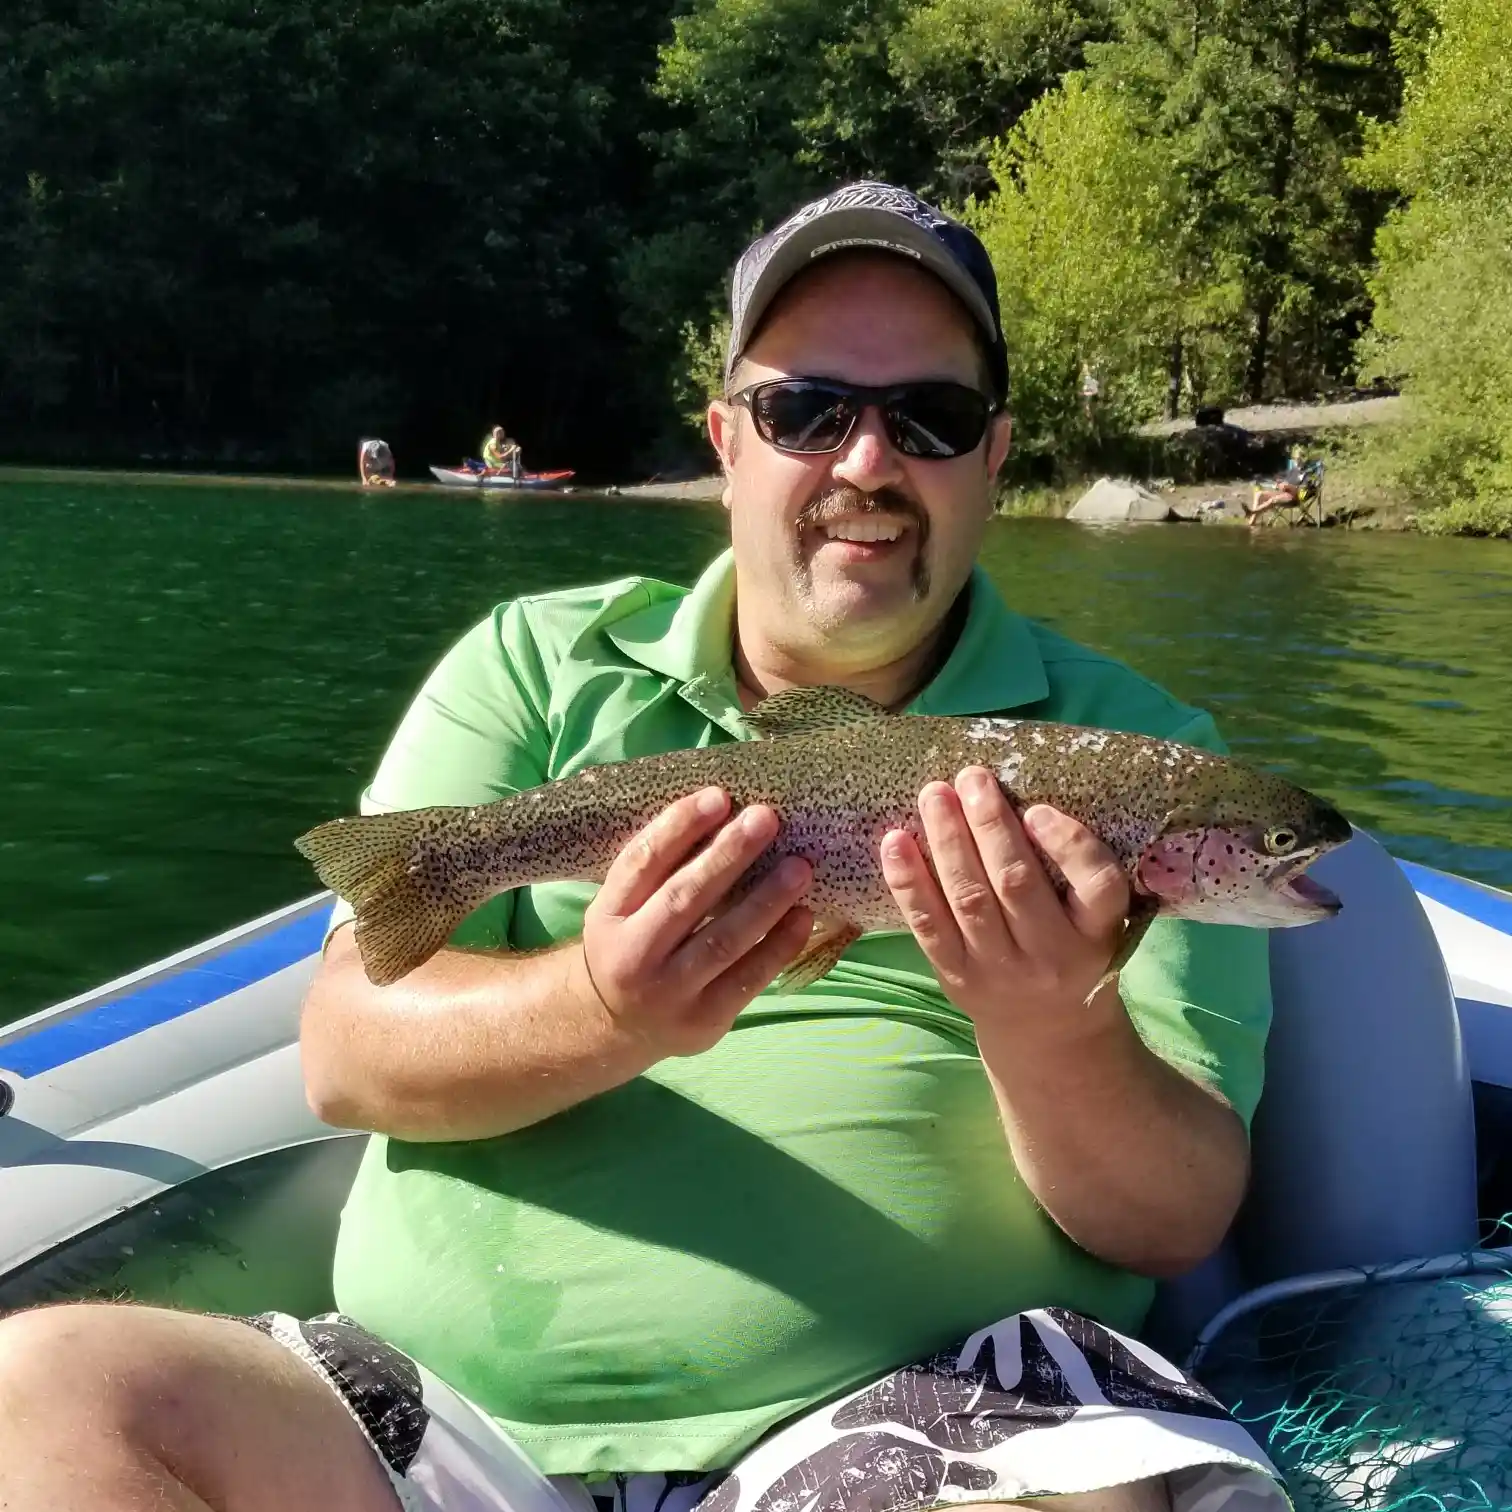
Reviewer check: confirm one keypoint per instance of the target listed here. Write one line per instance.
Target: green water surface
(191, 675)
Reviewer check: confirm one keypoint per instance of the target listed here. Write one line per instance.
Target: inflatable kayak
(461, 477)
(155, 1143)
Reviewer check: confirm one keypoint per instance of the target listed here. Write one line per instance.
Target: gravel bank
(1285, 417)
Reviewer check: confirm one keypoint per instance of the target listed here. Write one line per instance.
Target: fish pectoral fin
(1141, 915)
(826, 945)
(802, 711)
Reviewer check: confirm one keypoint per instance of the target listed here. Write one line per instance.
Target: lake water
(191, 675)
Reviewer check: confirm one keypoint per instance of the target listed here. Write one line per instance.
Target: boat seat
(1363, 1146)
(248, 1238)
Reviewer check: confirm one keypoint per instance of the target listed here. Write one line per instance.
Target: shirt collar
(995, 664)
(690, 637)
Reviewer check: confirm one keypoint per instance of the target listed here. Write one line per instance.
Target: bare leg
(130, 1408)
(1271, 499)
(1149, 1495)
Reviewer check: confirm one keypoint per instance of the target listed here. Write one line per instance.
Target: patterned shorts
(1045, 1403)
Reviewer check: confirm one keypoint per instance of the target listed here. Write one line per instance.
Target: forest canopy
(246, 234)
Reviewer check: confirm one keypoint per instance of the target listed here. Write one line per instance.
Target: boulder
(1117, 499)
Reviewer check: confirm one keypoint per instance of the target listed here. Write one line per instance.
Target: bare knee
(48, 1351)
(100, 1368)
(203, 1397)
(1151, 1494)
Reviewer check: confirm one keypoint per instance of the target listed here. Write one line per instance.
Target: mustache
(838, 503)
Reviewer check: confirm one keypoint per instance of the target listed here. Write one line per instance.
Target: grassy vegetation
(1038, 501)
(1470, 517)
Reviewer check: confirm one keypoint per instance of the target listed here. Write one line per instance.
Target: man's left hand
(1003, 943)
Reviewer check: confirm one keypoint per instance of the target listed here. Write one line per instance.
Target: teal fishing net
(1381, 1390)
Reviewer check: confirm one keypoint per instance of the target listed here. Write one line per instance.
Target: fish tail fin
(403, 917)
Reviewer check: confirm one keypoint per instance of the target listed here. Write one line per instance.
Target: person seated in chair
(1285, 492)
(639, 1226)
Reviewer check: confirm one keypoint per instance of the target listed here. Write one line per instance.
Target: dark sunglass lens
(802, 417)
(938, 419)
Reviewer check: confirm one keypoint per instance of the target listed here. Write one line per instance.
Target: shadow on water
(190, 676)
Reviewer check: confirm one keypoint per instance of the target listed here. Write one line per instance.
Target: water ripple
(163, 741)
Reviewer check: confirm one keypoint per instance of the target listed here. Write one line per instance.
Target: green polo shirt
(655, 1278)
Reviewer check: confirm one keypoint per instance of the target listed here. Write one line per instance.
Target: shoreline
(1349, 502)
(1346, 504)
(1039, 501)
(692, 490)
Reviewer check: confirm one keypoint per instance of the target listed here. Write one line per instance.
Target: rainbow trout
(1200, 836)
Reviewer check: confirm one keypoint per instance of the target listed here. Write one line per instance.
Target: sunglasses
(814, 415)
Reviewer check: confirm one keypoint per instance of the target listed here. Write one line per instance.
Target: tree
(238, 231)
(1259, 100)
(287, 224)
(1443, 286)
(1079, 234)
(771, 102)
(970, 68)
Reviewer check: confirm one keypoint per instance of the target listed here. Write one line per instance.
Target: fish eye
(1281, 842)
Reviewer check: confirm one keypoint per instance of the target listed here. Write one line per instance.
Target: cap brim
(857, 228)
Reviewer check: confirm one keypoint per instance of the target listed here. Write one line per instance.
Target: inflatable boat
(462, 477)
(155, 1144)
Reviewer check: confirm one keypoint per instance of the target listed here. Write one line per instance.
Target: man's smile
(869, 528)
(854, 540)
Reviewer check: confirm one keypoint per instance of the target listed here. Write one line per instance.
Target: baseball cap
(869, 214)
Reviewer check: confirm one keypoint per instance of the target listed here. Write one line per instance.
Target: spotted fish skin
(840, 773)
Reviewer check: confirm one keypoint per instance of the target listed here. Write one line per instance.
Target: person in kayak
(636, 1232)
(499, 453)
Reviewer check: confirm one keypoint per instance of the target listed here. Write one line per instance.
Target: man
(628, 1215)
(500, 452)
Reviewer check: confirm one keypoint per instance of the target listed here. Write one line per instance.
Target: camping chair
(1308, 504)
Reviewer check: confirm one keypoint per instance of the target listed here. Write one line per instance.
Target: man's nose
(868, 460)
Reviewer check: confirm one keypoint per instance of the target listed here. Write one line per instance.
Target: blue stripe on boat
(1489, 908)
(49, 1046)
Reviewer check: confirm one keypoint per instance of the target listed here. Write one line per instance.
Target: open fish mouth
(1301, 893)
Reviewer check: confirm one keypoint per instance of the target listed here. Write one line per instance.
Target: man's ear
(999, 441)
(724, 433)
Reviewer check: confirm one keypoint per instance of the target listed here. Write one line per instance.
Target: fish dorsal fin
(803, 711)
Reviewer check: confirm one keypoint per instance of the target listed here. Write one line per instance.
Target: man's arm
(477, 1044)
(1138, 1164)
(470, 1045)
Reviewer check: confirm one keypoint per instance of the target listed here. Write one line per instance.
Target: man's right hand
(669, 961)
(475, 1044)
